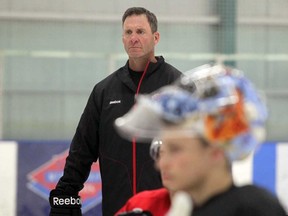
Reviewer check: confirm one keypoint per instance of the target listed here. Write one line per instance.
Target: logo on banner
(44, 179)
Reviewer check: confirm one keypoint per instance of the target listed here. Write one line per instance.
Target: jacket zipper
(134, 159)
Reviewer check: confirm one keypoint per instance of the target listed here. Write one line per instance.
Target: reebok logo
(66, 201)
(115, 102)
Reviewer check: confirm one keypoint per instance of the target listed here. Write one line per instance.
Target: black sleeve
(84, 147)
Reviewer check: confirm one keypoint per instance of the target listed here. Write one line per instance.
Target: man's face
(184, 162)
(138, 39)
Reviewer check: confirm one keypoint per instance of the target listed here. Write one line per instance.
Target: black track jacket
(126, 168)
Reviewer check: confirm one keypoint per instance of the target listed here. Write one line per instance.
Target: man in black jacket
(126, 167)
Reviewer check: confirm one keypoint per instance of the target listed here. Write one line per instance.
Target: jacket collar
(124, 75)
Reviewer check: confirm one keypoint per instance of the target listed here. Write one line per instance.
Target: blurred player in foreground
(206, 120)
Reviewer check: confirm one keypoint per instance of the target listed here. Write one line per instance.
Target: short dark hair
(139, 11)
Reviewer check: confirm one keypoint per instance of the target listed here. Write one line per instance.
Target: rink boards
(30, 169)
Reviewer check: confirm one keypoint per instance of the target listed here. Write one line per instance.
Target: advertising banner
(39, 167)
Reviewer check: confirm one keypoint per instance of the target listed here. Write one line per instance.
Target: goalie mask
(216, 103)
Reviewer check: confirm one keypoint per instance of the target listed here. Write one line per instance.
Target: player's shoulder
(156, 193)
(258, 200)
(168, 68)
(109, 81)
(252, 191)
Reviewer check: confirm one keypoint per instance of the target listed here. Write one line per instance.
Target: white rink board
(8, 176)
(282, 173)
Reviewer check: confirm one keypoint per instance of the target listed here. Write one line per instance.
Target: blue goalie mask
(215, 102)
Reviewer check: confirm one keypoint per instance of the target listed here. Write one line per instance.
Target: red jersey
(155, 201)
